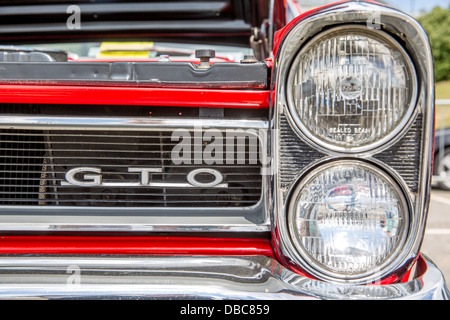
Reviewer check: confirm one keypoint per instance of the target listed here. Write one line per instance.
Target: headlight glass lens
(351, 88)
(348, 218)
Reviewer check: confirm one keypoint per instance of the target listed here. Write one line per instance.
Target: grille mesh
(34, 164)
(21, 157)
(403, 157)
(295, 155)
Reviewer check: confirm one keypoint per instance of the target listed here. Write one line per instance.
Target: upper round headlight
(348, 220)
(351, 90)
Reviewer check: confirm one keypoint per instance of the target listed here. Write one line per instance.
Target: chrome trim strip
(417, 45)
(139, 219)
(125, 123)
(248, 277)
(107, 221)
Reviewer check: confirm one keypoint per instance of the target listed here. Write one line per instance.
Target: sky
(416, 6)
(413, 7)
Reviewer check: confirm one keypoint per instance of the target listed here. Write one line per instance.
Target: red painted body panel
(133, 245)
(79, 245)
(99, 95)
(281, 34)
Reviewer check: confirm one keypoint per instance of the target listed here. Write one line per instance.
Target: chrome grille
(34, 164)
(22, 156)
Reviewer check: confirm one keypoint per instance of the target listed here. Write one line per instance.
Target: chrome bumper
(137, 277)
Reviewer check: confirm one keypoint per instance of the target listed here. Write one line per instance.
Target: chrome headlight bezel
(417, 187)
(307, 263)
(392, 137)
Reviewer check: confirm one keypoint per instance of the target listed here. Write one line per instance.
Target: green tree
(437, 25)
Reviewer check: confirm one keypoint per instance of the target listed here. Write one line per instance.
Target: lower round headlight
(348, 220)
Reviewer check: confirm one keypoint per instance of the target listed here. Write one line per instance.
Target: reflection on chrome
(325, 290)
(248, 277)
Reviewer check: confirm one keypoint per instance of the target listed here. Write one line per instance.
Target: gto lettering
(191, 178)
(92, 177)
(145, 174)
(95, 180)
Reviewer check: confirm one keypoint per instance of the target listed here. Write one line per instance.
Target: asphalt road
(436, 244)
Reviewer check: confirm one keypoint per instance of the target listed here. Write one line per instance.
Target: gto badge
(92, 177)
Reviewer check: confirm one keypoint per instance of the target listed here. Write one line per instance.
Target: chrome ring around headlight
(340, 200)
(358, 94)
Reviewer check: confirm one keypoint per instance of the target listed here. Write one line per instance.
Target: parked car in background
(442, 158)
(214, 150)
